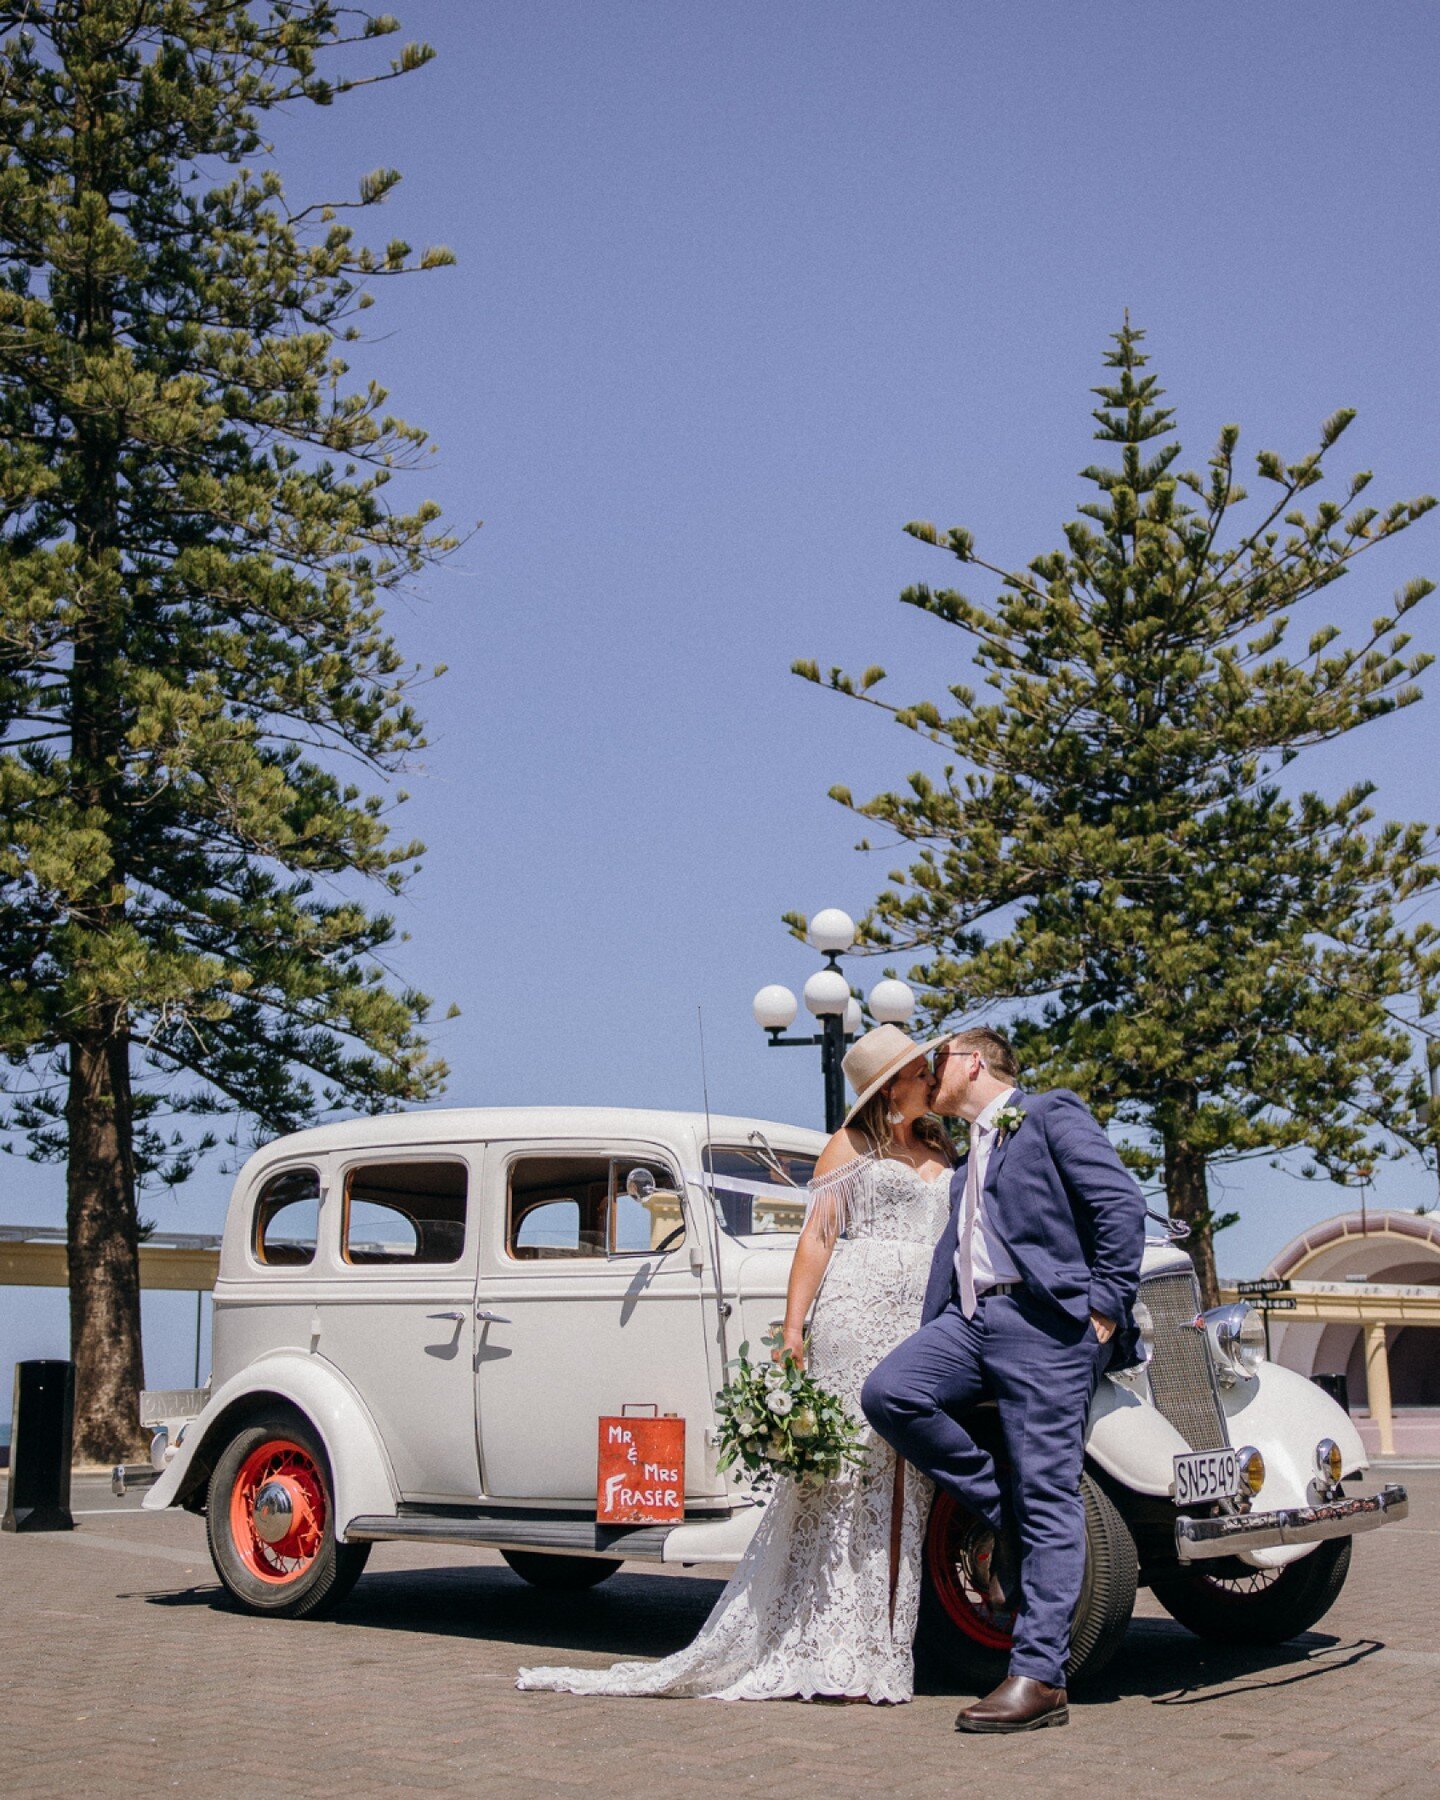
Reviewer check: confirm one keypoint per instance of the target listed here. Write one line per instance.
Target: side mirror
(640, 1184)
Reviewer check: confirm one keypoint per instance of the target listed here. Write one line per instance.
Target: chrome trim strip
(1198, 1539)
(578, 1537)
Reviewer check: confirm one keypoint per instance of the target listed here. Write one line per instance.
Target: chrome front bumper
(1197, 1539)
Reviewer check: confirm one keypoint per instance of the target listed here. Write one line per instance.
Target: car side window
(287, 1219)
(567, 1207)
(757, 1192)
(404, 1214)
(550, 1227)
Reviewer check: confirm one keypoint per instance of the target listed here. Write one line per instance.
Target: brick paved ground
(123, 1672)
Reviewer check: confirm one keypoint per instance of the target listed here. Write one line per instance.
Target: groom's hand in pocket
(1104, 1328)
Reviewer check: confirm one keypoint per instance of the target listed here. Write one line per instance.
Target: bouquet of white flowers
(775, 1419)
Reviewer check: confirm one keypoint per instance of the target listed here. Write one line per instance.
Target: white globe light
(774, 1007)
(892, 1002)
(854, 1018)
(827, 992)
(832, 931)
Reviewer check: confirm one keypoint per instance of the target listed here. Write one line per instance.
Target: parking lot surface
(124, 1671)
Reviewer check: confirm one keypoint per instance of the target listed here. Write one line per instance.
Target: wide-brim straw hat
(879, 1057)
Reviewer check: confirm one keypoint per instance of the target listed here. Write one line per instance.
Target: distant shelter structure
(1366, 1288)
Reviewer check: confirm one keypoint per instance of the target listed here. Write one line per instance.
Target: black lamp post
(828, 997)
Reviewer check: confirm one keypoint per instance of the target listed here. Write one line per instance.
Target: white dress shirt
(988, 1260)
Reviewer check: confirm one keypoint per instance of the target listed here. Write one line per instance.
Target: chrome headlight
(1237, 1340)
(1252, 1469)
(1329, 1464)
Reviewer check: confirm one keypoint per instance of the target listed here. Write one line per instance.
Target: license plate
(1206, 1475)
(157, 1405)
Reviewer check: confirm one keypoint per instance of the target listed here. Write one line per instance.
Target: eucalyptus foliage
(1108, 855)
(197, 691)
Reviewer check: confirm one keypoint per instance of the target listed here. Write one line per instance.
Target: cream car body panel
(1285, 1416)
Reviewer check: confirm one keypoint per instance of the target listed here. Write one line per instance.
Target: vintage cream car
(421, 1318)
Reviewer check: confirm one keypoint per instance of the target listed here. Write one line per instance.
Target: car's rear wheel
(545, 1571)
(271, 1521)
(966, 1640)
(1260, 1606)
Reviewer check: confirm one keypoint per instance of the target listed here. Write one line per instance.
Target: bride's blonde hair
(873, 1123)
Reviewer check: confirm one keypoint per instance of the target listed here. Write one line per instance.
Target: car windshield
(759, 1191)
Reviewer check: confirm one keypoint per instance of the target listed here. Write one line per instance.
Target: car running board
(571, 1535)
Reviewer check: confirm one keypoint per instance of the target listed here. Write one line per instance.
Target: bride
(825, 1598)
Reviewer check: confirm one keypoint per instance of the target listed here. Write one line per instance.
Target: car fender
(1285, 1415)
(1132, 1441)
(359, 1468)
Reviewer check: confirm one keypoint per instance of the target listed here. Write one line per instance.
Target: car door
(395, 1313)
(589, 1300)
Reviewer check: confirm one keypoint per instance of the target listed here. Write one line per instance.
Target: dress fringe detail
(833, 1202)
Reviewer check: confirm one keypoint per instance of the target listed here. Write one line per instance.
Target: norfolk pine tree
(1107, 854)
(194, 538)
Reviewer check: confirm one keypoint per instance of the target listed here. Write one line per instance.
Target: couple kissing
(934, 1276)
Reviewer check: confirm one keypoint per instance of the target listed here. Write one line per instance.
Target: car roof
(480, 1124)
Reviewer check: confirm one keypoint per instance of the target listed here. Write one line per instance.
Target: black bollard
(1336, 1386)
(41, 1424)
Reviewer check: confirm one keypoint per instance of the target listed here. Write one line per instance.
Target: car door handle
(490, 1318)
(454, 1317)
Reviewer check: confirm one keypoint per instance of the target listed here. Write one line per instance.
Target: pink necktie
(967, 1233)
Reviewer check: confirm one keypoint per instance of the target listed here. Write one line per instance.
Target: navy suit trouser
(1040, 1368)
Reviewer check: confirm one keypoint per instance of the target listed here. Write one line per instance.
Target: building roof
(1348, 1229)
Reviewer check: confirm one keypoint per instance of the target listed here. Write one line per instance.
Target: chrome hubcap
(274, 1513)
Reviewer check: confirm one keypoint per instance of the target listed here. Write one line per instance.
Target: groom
(1033, 1278)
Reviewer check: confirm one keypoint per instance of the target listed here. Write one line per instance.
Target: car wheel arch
(317, 1393)
(241, 1411)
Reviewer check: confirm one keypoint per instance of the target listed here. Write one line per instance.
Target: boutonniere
(1008, 1121)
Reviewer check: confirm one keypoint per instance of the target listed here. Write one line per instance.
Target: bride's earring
(896, 1117)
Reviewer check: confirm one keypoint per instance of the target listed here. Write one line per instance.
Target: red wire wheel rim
(961, 1598)
(282, 1462)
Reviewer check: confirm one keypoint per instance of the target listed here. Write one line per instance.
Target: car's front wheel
(967, 1641)
(270, 1520)
(545, 1571)
(1258, 1606)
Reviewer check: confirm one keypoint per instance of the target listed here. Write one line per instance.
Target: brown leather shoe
(1018, 1704)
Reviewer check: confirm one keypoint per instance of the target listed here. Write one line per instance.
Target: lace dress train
(809, 1609)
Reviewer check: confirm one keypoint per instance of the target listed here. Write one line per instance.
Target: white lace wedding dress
(809, 1609)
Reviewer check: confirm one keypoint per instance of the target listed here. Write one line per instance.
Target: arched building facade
(1367, 1294)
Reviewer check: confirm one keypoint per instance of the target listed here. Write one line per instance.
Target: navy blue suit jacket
(1066, 1208)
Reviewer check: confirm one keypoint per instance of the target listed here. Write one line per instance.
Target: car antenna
(707, 1165)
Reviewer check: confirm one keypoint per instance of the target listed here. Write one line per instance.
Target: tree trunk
(1187, 1194)
(104, 1252)
(101, 1220)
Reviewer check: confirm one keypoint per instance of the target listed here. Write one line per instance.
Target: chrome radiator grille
(1182, 1378)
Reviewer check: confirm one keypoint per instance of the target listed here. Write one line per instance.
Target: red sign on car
(641, 1478)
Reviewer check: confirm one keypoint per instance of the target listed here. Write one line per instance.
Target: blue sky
(741, 289)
